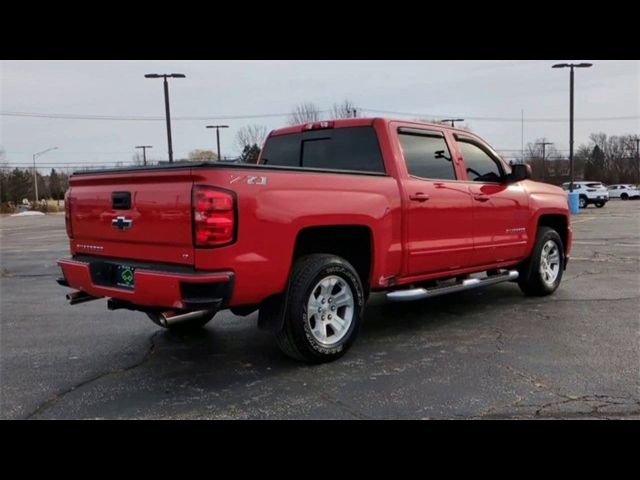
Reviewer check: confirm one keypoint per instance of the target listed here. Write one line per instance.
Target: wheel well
(558, 223)
(351, 242)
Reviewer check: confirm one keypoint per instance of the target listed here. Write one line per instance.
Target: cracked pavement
(488, 353)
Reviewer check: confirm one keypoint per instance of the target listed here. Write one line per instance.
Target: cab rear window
(352, 148)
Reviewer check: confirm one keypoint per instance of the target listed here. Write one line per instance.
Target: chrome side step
(469, 283)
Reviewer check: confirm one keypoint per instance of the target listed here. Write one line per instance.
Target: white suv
(590, 192)
(624, 191)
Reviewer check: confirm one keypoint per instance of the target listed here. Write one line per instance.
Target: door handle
(480, 197)
(419, 197)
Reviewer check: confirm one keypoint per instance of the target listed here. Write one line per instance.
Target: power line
(66, 116)
(502, 119)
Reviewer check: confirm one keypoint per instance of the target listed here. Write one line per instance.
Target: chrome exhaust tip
(172, 317)
(79, 297)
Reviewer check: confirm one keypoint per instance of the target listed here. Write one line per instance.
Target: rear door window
(426, 154)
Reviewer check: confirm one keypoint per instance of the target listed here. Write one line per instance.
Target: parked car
(21, 207)
(333, 210)
(590, 193)
(624, 191)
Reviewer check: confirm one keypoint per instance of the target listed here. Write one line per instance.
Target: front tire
(624, 196)
(600, 204)
(324, 308)
(541, 273)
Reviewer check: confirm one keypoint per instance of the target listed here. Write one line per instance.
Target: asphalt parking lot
(489, 353)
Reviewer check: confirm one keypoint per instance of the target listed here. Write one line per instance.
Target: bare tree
(137, 159)
(541, 168)
(304, 113)
(202, 156)
(346, 109)
(250, 135)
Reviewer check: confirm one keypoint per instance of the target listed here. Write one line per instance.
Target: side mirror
(519, 172)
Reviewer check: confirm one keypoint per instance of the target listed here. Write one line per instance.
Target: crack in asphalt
(601, 401)
(60, 395)
(583, 300)
(583, 274)
(604, 400)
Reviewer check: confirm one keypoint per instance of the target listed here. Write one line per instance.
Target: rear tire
(541, 273)
(600, 204)
(324, 308)
(182, 327)
(583, 201)
(624, 196)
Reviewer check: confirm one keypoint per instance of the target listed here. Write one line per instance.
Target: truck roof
(361, 122)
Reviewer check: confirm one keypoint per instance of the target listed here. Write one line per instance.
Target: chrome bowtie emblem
(121, 223)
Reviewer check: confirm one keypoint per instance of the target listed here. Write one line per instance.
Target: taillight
(67, 214)
(213, 216)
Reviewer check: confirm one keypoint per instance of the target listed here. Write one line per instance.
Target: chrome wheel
(330, 310)
(549, 262)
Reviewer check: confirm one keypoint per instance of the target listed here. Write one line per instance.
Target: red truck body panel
(462, 226)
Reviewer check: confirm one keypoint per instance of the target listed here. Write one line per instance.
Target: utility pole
(452, 120)
(544, 167)
(218, 127)
(166, 104)
(144, 153)
(638, 156)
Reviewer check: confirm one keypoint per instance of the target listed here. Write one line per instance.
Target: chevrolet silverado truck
(331, 211)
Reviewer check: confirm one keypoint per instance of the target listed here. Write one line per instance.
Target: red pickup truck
(333, 210)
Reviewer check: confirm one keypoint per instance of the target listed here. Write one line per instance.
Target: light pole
(218, 127)
(453, 120)
(166, 103)
(144, 152)
(571, 66)
(35, 173)
(544, 168)
(637, 139)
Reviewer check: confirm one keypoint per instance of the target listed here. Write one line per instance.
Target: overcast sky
(462, 89)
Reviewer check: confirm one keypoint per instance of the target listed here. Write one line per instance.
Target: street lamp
(166, 103)
(571, 66)
(35, 174)
(452, 120)
(218, 127)
(144, 152)
(544, 168)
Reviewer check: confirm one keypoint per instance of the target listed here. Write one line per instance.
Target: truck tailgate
(133, 215)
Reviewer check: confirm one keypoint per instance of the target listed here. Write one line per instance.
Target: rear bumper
(155, 288)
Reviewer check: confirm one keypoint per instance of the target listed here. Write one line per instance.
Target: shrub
(7, 207)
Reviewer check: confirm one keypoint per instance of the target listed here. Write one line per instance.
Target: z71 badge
(249, 179)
